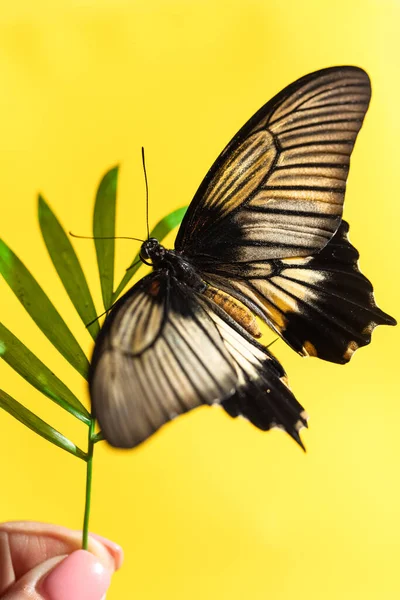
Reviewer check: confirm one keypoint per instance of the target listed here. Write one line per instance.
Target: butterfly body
(236, 310)
(176, 265)
(263, 236)
(172, 262)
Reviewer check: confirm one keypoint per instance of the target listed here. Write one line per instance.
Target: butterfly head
(152, 252)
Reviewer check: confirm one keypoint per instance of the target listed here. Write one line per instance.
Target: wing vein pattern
(197, 356)
(290, 161)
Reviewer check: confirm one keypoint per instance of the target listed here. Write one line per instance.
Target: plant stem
(89, 471)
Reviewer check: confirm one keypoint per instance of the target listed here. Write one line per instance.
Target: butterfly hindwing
(277, 189)
(321, 305)
(165, 350)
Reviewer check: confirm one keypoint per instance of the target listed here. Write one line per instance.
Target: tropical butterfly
(262, 236)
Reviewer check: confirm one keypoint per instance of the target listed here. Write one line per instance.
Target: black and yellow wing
(266, 223)
(164, 350)
(321, 305)
(277, 189)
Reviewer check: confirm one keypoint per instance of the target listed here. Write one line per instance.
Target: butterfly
(263, 237)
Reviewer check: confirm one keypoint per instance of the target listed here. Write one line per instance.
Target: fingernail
(115, 550)
(80, 576)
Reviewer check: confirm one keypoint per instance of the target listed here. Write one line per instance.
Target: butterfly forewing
(195, 357)
(277, 190)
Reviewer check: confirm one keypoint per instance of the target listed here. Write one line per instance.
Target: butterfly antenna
(134, 264)
(99, 316)
(273, 342)
(147, 194)
(113, 237)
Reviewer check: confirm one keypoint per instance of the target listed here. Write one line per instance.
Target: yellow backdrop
(210, 507)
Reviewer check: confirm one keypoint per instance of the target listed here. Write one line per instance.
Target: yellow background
(210, 507)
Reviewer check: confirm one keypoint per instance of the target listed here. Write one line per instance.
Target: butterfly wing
(321, 305)
(165, 350)
(277, 189)
(266, 223)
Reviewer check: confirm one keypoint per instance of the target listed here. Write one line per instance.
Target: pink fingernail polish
(114, 549)
(80, 576)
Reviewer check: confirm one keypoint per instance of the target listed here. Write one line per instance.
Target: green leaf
(28, 418)
(24, 362)
(168, 223)
(99, 437)
(67, 266)
(42, 311)
(104, 226)
(160, 231)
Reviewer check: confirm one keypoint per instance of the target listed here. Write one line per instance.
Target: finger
(26, 544)
(79, 576)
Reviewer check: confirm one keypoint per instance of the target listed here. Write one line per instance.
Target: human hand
(39, 561)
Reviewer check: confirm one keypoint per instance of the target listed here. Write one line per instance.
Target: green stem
(89, 471)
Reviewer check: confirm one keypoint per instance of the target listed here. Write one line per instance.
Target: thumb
(79, 576)
(39, 561)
